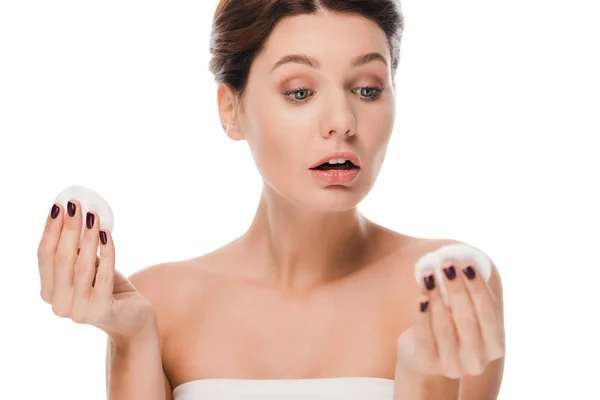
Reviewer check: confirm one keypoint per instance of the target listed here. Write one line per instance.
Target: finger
(442, 327)
(47, 249)
(471, 352)
(122, 284)
(105, 275)
(85, 268)
(427, 358)
(64, 260)
(487, 310)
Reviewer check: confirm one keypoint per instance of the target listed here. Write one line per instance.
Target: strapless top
(350, 388)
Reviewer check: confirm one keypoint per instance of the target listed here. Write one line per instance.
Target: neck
(295, 248)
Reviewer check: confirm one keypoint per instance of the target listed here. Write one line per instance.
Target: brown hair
(241, 28)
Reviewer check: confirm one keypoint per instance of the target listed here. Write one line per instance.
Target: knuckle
(80, 269)
(60, 311)
(497, 350)
(480, 366)
(451, 370)
(46, 295)
(79, 317)
(455, 371)
(63, 259)
(475, 369)
(101, 277)
(475, 365)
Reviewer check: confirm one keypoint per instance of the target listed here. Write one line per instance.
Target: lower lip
(336, 176)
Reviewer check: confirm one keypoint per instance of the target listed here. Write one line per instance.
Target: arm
(134, 369)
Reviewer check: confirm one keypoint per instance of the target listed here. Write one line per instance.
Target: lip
(346, 155)
(336, 177)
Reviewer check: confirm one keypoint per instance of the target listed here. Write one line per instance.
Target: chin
(331, 198)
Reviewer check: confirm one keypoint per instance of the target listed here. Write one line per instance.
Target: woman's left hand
(455, 340)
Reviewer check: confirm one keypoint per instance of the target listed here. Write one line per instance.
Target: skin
(313, 288)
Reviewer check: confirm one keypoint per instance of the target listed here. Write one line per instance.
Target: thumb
(122, 284)
(405, 346)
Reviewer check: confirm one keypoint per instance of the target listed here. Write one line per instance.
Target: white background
(495, 144)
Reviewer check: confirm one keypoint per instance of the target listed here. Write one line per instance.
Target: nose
(339, 119)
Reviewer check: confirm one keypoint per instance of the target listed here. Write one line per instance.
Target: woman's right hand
(84, 287)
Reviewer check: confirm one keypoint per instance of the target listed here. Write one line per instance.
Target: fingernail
(71, 209)
(424, 305)
(89, 220)
(55, 211)
(429, 282)
(103, 237)
(469, 272)
(450, 272)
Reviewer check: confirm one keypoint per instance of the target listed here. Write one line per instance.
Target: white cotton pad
(90, 201)
(460, 253)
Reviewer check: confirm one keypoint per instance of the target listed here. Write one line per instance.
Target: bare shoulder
(157, 280)
(169, 286)
(169, 281)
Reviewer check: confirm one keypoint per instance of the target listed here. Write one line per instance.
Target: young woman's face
(294, 114)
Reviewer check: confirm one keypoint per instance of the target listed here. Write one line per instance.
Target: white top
(352, 388)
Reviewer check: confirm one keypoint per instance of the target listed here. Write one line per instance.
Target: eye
(301, 94)
(298, 95)
(370, 93)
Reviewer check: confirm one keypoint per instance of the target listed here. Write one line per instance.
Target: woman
(313, 298)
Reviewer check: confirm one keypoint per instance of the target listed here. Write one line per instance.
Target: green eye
(367, 91)
(370, 93)
(300, 94)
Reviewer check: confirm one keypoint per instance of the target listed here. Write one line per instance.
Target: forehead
(332, 38)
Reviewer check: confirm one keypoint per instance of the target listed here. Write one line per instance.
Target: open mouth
(347, 165)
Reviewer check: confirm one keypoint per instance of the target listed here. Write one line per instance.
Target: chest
(249, 333)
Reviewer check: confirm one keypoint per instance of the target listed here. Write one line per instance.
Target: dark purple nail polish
(103, 237)
(89, 220)
(429, 282)
(55, 211)
(71, 209)
(450, 272)
(469, 272)
(424, 305)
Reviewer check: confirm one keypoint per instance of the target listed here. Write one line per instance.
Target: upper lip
(346, 155)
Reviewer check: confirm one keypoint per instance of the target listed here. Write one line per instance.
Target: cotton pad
(462, 253)
(90, 201)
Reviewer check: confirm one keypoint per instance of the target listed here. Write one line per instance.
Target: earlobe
(228, 112)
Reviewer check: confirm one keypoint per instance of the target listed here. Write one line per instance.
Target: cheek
(279, 136)
(379, 124)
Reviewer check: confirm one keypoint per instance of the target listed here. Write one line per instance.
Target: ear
(228, 112)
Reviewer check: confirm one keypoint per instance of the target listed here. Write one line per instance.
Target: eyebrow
(314, 63)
